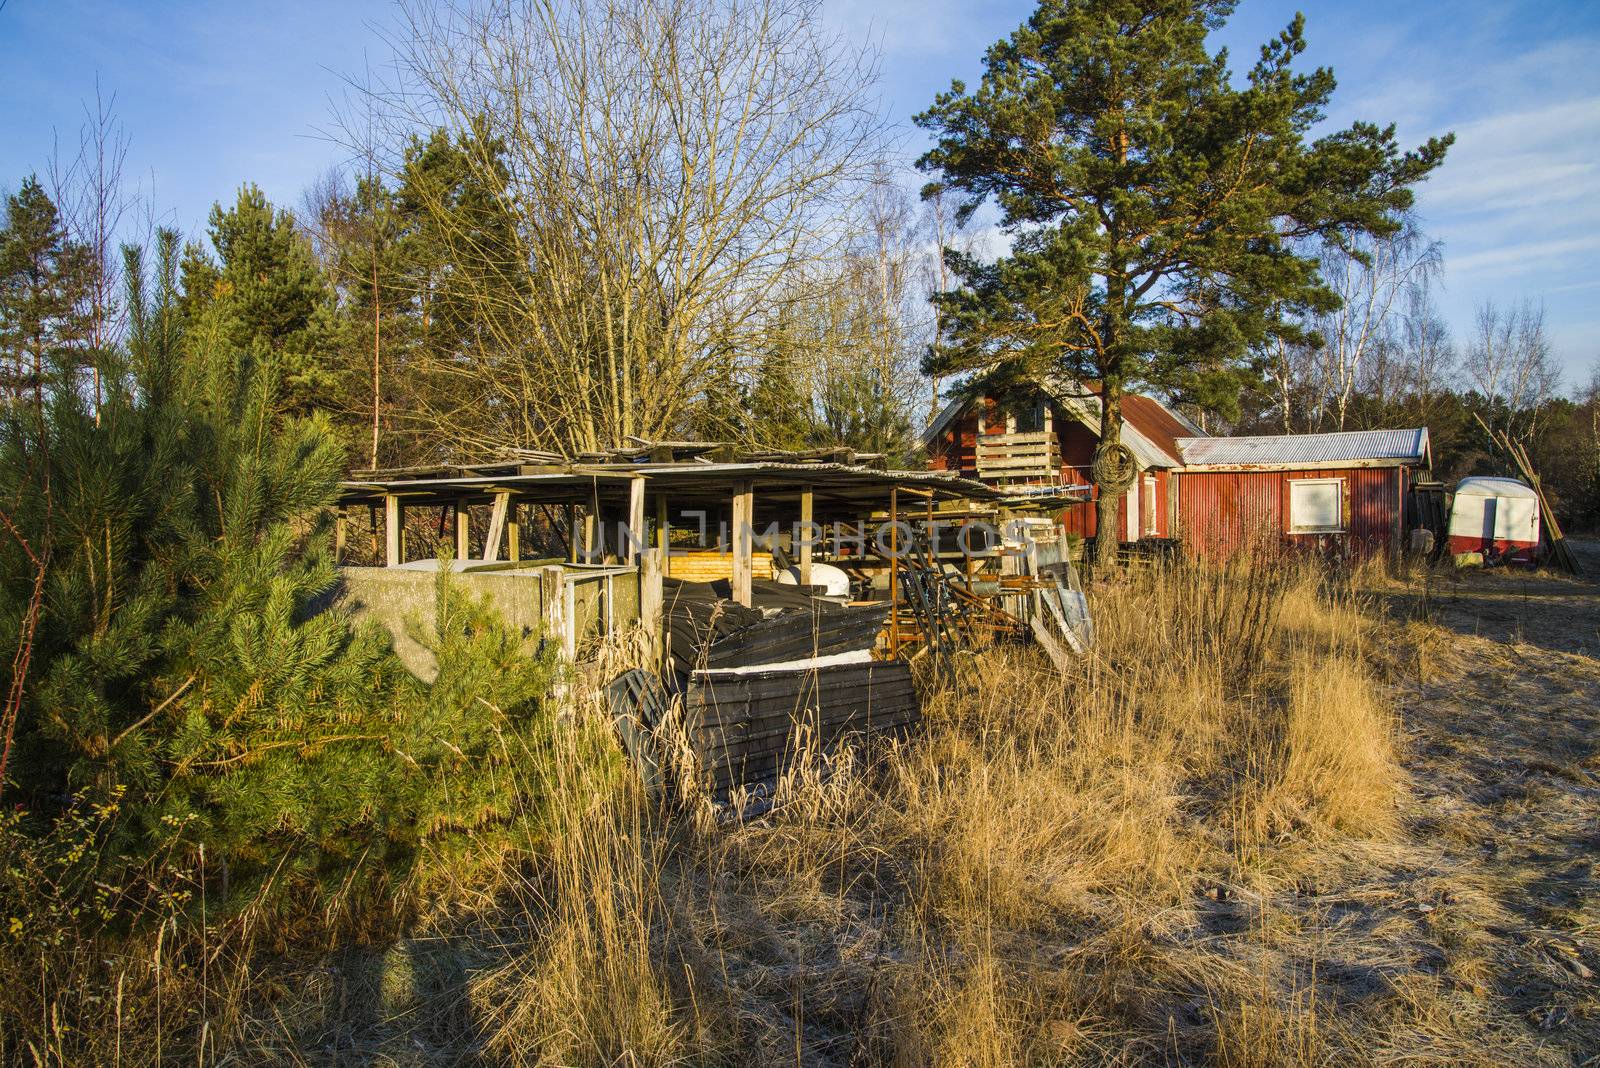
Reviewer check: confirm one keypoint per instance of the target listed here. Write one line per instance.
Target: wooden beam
(807, 512)
(556, 604)
(497, 526)
(637, 532)
(514, 533)
(569, 612)
(894, 573)
(662, 542)
(393, 518)
(463, 529)
(650, 598)
(340, 523)
(593, 532)
(743, 540)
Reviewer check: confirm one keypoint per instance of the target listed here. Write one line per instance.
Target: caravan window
(1316, 505)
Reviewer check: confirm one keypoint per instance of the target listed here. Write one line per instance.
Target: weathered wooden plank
(497, 524)
(393, 521)
(739, 721)
(743, 540)
(740, 689)
(730, 738)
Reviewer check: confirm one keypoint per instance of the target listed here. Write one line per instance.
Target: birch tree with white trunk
(1375, 279)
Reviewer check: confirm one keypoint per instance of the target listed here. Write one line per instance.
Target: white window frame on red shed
(1292, 526)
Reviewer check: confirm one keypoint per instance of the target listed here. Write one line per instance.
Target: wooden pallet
(1017, 457)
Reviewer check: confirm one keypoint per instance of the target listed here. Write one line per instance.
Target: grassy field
(1277, 818)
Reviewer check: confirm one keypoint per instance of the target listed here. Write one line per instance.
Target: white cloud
(1516, 259)
(1521, 160)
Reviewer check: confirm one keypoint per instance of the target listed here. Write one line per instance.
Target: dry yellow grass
(1026, 881)
(1198, 846)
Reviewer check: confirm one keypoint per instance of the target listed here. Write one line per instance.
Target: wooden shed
(1345, 493)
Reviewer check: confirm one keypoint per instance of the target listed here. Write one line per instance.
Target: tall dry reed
(1033, 877)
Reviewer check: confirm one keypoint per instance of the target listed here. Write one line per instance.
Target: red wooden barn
(1346, 492)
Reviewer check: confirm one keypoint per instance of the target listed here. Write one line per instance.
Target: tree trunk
(377, 365)
(1108, 506)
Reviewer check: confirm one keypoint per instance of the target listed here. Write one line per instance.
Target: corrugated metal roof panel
(1348, 446)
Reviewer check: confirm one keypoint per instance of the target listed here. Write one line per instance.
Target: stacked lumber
(705, 626)
(697, 614)
(799, 635)
(759, 683)
(708, 565)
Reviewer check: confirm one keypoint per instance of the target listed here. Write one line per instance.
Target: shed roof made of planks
(845, 486)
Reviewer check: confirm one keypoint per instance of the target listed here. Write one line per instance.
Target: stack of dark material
(706, 628)
(791, 671)
(746, 726)
(696, 615)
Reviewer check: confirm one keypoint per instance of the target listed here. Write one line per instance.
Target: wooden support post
(555, 614)
(894, 573)
(637, 533)
(463, 530)
(497, 526)
(743, 539)
(663, 543)
(569, 612)
(650, 562)
(377, 540)
(807, 523)
(393, 519)
(964, 543)
(340, 523)
(514, 534)
(594, 531)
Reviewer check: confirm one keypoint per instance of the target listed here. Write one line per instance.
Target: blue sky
(216, 94)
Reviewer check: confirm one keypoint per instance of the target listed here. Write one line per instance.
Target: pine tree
(186, 663)
(1160, 214)
(263, 293)
(45, 285)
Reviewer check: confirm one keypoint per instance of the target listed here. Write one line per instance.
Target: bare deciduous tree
(1510, 364)
(1373, 279)
(1428, 351)
(672, 167)
(88, 190)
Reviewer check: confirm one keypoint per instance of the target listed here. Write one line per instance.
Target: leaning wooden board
(745, 726)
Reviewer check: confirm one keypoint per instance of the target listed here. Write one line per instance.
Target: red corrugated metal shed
(1221, 512)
